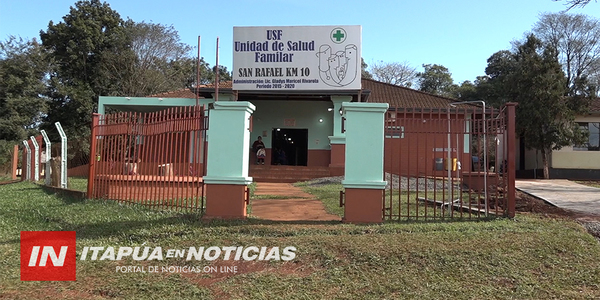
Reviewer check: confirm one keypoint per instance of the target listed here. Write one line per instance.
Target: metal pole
(485, 175)
(198, 73)
(485, 154)
(510, 168)
(94, 156)
(36, 159)
(217, 74)
(63, 156)
(28, 177)
(448, 164)
(48, 156)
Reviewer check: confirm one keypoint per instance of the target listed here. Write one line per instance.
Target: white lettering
(48, 251)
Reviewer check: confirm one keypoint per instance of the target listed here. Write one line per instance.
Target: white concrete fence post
(63, 156)
(28, 172)
(47, 180)
(36, 159)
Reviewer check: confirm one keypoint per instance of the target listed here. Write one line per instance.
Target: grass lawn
(530, 257)
(77, 183)
(403, 203)
(5, 177)
(592, 183)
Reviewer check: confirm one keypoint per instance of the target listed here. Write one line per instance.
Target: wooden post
(55, 167)
(510, 129)
(15, 162)
(24, 165)
(93, 159)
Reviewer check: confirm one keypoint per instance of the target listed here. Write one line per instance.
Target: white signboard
(297, 58)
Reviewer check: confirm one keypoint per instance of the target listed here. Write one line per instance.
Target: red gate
(155, 159)
(447, 163)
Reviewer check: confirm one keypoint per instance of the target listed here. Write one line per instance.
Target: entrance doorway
(289, 147)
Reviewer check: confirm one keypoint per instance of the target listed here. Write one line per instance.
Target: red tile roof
(222, 84)
(183, 93)
(403, 97)
(395, 96)
(595, 105)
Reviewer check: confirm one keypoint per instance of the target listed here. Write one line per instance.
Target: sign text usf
(297, 58)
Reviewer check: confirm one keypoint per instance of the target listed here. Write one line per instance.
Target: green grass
(592, 183)
(329, 194)
(529, 257)
(402, 204)
(77, 183)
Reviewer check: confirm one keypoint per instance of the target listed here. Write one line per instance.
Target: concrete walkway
(563, 193)
(289, 203)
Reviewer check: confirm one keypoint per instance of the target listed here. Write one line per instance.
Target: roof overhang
(319, 95)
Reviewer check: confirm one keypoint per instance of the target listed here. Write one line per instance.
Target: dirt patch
(280, 189)
(301, 207)
(529, 204)
(291, 210)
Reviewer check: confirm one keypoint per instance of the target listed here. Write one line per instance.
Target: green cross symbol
(338, 35)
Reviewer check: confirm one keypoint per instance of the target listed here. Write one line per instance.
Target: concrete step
(268, 173)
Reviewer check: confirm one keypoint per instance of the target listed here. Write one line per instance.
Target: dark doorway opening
(289, 147)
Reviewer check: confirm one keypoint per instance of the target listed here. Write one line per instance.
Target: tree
(532, 76)
(363, 70)
(466, 91)
(224, 75)
(23, 69)
(159, 62)
(88, 40)
(436, 79)
(576, 3)
(395, 73)
(577, 39)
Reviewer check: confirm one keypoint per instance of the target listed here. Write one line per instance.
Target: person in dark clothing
(281, 157)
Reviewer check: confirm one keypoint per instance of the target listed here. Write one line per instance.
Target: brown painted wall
(423, 140)
(316, 158)
(81, 171)
(319, 158)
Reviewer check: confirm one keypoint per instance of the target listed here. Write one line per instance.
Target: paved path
(563, 193)
(296, 205)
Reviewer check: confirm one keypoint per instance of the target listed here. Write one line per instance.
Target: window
(593, 143)
(395, 132)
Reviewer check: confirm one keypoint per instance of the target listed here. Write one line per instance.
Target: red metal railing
(448, 163)
(155, 159)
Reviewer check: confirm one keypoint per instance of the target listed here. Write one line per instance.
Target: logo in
(48, 256)
(338, 35)
(339, 64)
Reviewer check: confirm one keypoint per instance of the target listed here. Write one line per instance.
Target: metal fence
(448, 163)
(39, 153)
(155, 159)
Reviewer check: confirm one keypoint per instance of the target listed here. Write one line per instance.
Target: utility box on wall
(441, 164)
(438, 164)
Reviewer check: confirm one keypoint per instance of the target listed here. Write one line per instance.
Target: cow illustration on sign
(338, 68)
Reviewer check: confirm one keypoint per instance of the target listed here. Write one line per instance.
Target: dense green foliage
(532, 76)
(90, 37)
(436, 79)
(23, 67)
